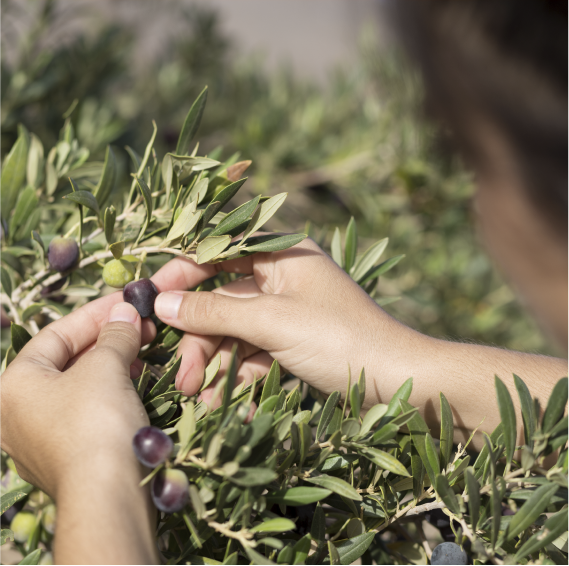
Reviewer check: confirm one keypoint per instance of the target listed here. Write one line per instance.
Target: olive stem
(88, 219)
(29, 298)
(5, 300)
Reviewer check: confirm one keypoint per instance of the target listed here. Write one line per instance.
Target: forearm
(104, 517)
(464, 373)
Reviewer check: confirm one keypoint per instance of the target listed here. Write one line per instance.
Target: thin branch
(29, 298)
(5, 300)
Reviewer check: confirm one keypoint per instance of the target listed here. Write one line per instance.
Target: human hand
(296, 306)
(67, 398)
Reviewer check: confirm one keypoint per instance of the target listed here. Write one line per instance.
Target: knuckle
(120, 335)
(203, 307)
(102, 352)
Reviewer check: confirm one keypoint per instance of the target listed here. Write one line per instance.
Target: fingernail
(123, 312)
(167, 305)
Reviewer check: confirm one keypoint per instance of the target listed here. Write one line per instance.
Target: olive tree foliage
(310, 479)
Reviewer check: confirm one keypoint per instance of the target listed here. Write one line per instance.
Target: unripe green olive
(118, 272)
(46, 559)
(48, 518)
(22, 525)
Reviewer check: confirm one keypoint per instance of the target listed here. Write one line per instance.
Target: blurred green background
(355, 144)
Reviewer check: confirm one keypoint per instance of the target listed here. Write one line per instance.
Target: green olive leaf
(14, 173)
(210, 248)
(108, 177)
(191, 123)
(19, 336)
(83, 198)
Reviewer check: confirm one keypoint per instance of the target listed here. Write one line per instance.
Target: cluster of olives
(119, 273)
(25, 522)
(169, 487)
(63, 254)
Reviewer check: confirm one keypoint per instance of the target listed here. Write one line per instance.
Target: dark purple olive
(5, 321)
(141, 295)
(151, 446)
(170, 490)
(449, 553)
(50, 290)
(62, 254)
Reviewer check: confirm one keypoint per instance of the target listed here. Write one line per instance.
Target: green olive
(22, 525)
(48, 518)
(117, 273)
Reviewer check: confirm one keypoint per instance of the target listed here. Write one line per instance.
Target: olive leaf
(27, 203)
(272, 243)
(336, 485)
(263, 214)
(191, 123)
(211, 371)
(556, 405)
(368, 259)
(235, 218)
(14, 172)
(210, 248)
(108, 177)
(8, 499)
(117, 249)
(109, 223)
(83, 198)
(508, 417)
(147, 197)
(19, 337)
(296, 496)
(6, 280)
(528, 413)
(35, 164)
(336, 248)
(447, 432)
(350, 245)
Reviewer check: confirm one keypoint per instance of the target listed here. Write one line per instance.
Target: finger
(244, 350)
(196, 351)
(244, 287)
(119, 341)
(216, 314)
(183, 273)
(148, 331)
(255, 367)
(4, 318)
(148, 334)
(136, 369)
(63, 339)
(250, 366)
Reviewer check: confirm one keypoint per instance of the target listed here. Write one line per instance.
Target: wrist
(109, 461)
(100, 494)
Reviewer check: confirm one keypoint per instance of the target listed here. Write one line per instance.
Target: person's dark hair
(503, 61)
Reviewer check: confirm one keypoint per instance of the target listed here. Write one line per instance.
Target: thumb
(213, 314)
(120, 337)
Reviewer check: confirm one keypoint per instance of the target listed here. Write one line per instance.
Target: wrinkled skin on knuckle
(123, 335)
(201, 309)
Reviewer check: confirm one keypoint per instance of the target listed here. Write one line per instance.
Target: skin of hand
(295, 306)
(298, 307)
(69, 413)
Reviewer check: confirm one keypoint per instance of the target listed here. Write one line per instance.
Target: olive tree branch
(29, 298)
